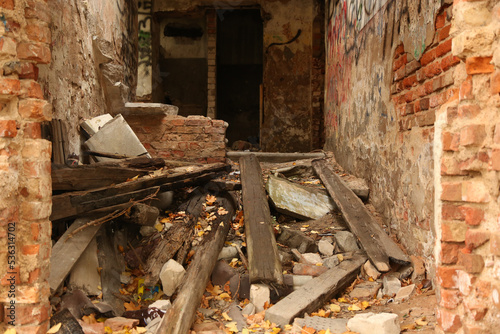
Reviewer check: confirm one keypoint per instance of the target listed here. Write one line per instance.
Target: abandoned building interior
(403, 95)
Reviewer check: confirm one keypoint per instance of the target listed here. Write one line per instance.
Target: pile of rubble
(226, 248)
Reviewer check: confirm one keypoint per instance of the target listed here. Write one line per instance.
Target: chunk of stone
(222, 273)
(391, 286)
(370, 323)
(298, 240)
(171, 276)
(346, 241)
(325, 247)
(320, 324)
(249, 309)
(418, 269)
(119, 323)
(367, 290)
(404, 293)
(370, 270)
(161, 304)
(331, 262)
(298, 201)
(228, 253)
(97, 328)
(296, 281)
(405, 272)
(285, 257)
(260, 294)
(311, 258)
(147, 231)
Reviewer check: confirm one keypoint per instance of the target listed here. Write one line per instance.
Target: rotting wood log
(68, 250)
(274, 156)
(87, 202)
(315, 293)
(87, 177)
(264, 265)
(69, 324)
(142, 214)
(378, 245)
(107, 155)
(137, 163)
(181, 315)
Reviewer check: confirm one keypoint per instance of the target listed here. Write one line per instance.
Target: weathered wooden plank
(275, 156)
(315, 293)
(263, 258)
(378, 245)
(67, 251)
(180, 316)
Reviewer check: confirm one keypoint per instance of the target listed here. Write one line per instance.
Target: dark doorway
(239, 72)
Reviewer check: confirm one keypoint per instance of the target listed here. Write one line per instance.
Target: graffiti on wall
(145, 64)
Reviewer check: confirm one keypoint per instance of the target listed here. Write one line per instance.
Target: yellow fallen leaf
(276, 330)
(335, 308)
(221, 211)
(10, 331)
(408, 327)
(210, 199)
(343, 300)
(200, 233)
(224, 295)
(288, 327)
(165, 220)
(108, 330)
(54, 329)
(365, 305)
(354, 308)
(319, 264)
(159, 227)
(340, 257)
(305, 225)
(226, 317)
(231, 326)
(421, 322)
(245, 331)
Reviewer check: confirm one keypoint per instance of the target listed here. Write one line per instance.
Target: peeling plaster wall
(362, 122)
(87, 35)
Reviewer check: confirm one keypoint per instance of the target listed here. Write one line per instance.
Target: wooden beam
(180, 317)
(68, 250)
(264, 265)
(315, 293)
(378, 245)
(275, 156)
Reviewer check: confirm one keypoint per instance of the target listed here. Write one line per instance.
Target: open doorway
(239, 72)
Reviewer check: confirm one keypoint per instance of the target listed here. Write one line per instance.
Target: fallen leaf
(221, 211)
(232, 327)
(354, 308)
(421, 322)
(226, 317)
(340, 257)
(89, 319)
(210, 199)
(131, 306)
(159, 227)
(53, 329)
(343, 300)
(365, 305)
(307, 330)
(276, 330)
(335, 308)
(408, 327)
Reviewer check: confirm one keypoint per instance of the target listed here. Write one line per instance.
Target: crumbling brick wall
(193, 138)
(468, 165)
(25, 183)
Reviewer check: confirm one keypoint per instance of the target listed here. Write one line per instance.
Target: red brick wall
(422, 86)
(193, 138)
(25, 197)
(468, 273)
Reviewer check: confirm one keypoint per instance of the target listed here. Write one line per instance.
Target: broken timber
(263, 258)
(119, 196)
(68, 250)
(316, 292)
(378, 245)
(275, 157)
(181, 315)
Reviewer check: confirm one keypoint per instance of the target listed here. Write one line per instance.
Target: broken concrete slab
(92, 126)
(296, 281)
(171, 276)
(316, 292)
(331, 262)
(346, 241)
(297, 239)
(149, 109)
(370, 270)
(325, 246)
(391, 286)
(249, 309)
(298, 201)
(369, 323)
(366, 290)
(404, 293)
(311, 258)
(260, 294)
(116, 137)
(309, 269)
(85, 274)
(320, 324)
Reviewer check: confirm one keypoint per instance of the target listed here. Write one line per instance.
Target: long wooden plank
(67, 251)
(263, 258)
(180, 316)
(315, 293)
(378, 245)
(274, 156)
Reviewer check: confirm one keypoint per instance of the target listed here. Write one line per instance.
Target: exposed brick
(28, 71)
(452, 212)
(400, 74)
(495, 159)
(409, 109)
(451, 141)
(448, 321)
(432, 69)
(424, 103)
(465, 92)
(495, 82)
(452, 191)
(476, 308)
(495, 243)
(31, 89)
(38, 33)
(449, 299)
(465, 282)
(444, 33)
(478, 65)
(449, 252)
(428, 57)
(35, 210)
(34, 109)
(410, 81)
(192, 121)
(472, 135)
(443, 48)
(9, 86)
(8, 46)
(440, 20)
(8, 129)
(472, 263)
(7, 4)
(399, 62)
(451, 114)
(426, 118)
(450, 166)
(468, 110)
(28, 314)
(449, 61)
(475, 191)
(453, 231)
(32, 294)
(37, 10)
(483, 289)
(32, 130)
(33, 51)
(399, 50)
